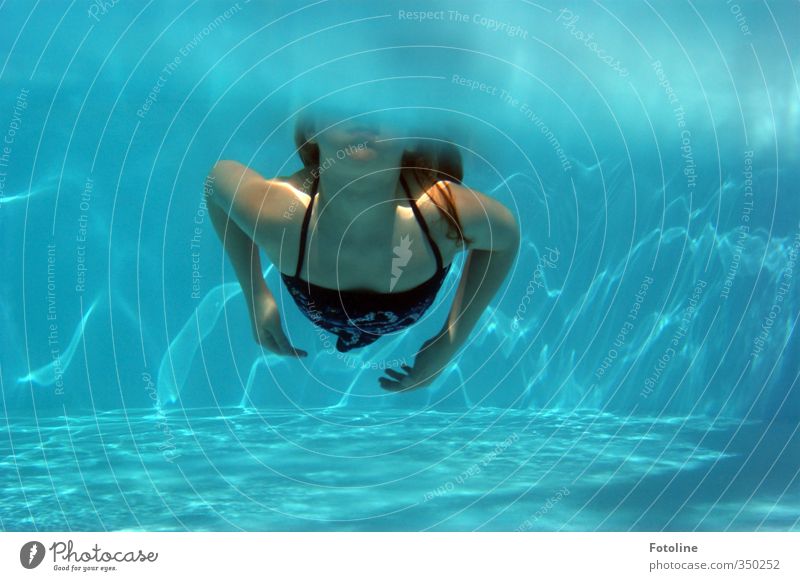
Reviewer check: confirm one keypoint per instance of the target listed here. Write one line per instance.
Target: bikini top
(360, 317)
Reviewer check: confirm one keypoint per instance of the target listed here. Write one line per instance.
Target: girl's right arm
(236, 197)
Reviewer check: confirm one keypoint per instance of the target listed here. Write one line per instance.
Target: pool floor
(409, 470)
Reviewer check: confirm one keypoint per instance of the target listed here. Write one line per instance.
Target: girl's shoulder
(301, 180)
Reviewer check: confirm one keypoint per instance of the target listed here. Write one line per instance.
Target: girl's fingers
(262, 336)
(391, 385)
(395, 374)
(269, 343)
(287, 348)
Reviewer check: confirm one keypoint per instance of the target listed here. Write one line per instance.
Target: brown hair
(432, 162)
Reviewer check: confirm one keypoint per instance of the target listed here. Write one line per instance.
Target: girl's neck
(370, 196)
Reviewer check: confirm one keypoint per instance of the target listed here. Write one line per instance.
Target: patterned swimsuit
(357, 317)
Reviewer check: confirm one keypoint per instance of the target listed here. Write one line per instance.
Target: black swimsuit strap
(417, 214)
(304, 230)
(423, 224)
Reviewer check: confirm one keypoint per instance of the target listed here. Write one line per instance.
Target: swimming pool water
(638, 369)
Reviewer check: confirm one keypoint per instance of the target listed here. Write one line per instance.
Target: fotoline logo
(31, 554)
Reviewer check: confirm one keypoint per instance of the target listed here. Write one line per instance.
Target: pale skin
(360, 214)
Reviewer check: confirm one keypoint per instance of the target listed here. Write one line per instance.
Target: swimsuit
(360, 317)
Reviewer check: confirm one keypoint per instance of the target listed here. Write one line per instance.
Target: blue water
(638, 370)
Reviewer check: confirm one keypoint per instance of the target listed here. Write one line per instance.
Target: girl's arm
(495, 242)
(227, 181)
(246, 211)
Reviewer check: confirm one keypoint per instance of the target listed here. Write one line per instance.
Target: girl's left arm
(495, 239)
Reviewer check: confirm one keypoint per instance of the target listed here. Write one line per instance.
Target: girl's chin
(364, 153)
(364, 150)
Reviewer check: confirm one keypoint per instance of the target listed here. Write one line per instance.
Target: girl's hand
(429, 362)
(267, 329)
